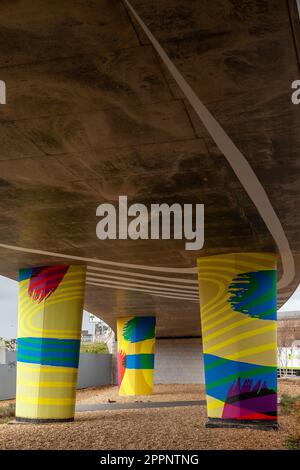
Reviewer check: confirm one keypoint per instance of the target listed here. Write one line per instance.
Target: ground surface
(172, 392)
(164, 428)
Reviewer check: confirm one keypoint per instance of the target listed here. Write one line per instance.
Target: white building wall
(179, 361)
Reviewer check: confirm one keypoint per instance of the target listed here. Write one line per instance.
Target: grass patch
(94, 348)
(293, 443)
(7, 412)
(289, 403)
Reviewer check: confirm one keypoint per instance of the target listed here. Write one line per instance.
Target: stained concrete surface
(92, 114)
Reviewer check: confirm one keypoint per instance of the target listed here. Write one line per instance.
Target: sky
(9, 308)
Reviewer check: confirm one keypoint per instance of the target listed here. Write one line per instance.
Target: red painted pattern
(45, 280)
(121, 366)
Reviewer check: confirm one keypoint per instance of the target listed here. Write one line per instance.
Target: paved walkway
(136, 405)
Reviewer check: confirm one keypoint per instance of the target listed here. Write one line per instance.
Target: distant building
(101, 331)
(86, 337)
(288, 328)
(288, 342)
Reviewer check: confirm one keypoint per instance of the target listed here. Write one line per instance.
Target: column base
(242, 423)
(19, 420)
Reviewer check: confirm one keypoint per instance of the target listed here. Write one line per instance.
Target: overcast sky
(9, 308)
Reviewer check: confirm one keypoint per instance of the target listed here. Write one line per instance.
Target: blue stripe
(49, 351)
(217, 368)
(140, 361)
(48, 343)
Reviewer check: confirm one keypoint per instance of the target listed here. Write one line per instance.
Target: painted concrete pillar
(136, 346)
(238, 318)
(50, 319)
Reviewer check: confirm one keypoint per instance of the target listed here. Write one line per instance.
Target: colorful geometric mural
(136, 345)
(49, 331)
(238, 318)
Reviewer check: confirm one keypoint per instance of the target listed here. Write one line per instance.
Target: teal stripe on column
(49, 351)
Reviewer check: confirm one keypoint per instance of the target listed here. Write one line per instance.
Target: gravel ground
(174, 392)
(174, 428)
(164, 428)
(161, 393)
(289, 386)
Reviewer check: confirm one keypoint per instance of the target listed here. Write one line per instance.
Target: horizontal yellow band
(235, 339)
(49, 369)
(253, 351)
(37, 384)
(46, 401)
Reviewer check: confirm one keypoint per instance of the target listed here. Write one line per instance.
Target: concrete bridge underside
(92, 113)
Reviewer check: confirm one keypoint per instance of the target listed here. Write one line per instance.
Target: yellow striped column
(136, 349)
(238, 318)
(50, 319)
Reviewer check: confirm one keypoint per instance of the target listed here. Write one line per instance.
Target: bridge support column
(238, 318)
(136, 345)
(50, 319)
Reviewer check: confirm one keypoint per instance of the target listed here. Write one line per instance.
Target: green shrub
(287, 403)
(94, 348)
(293, 443)
(7, 412)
